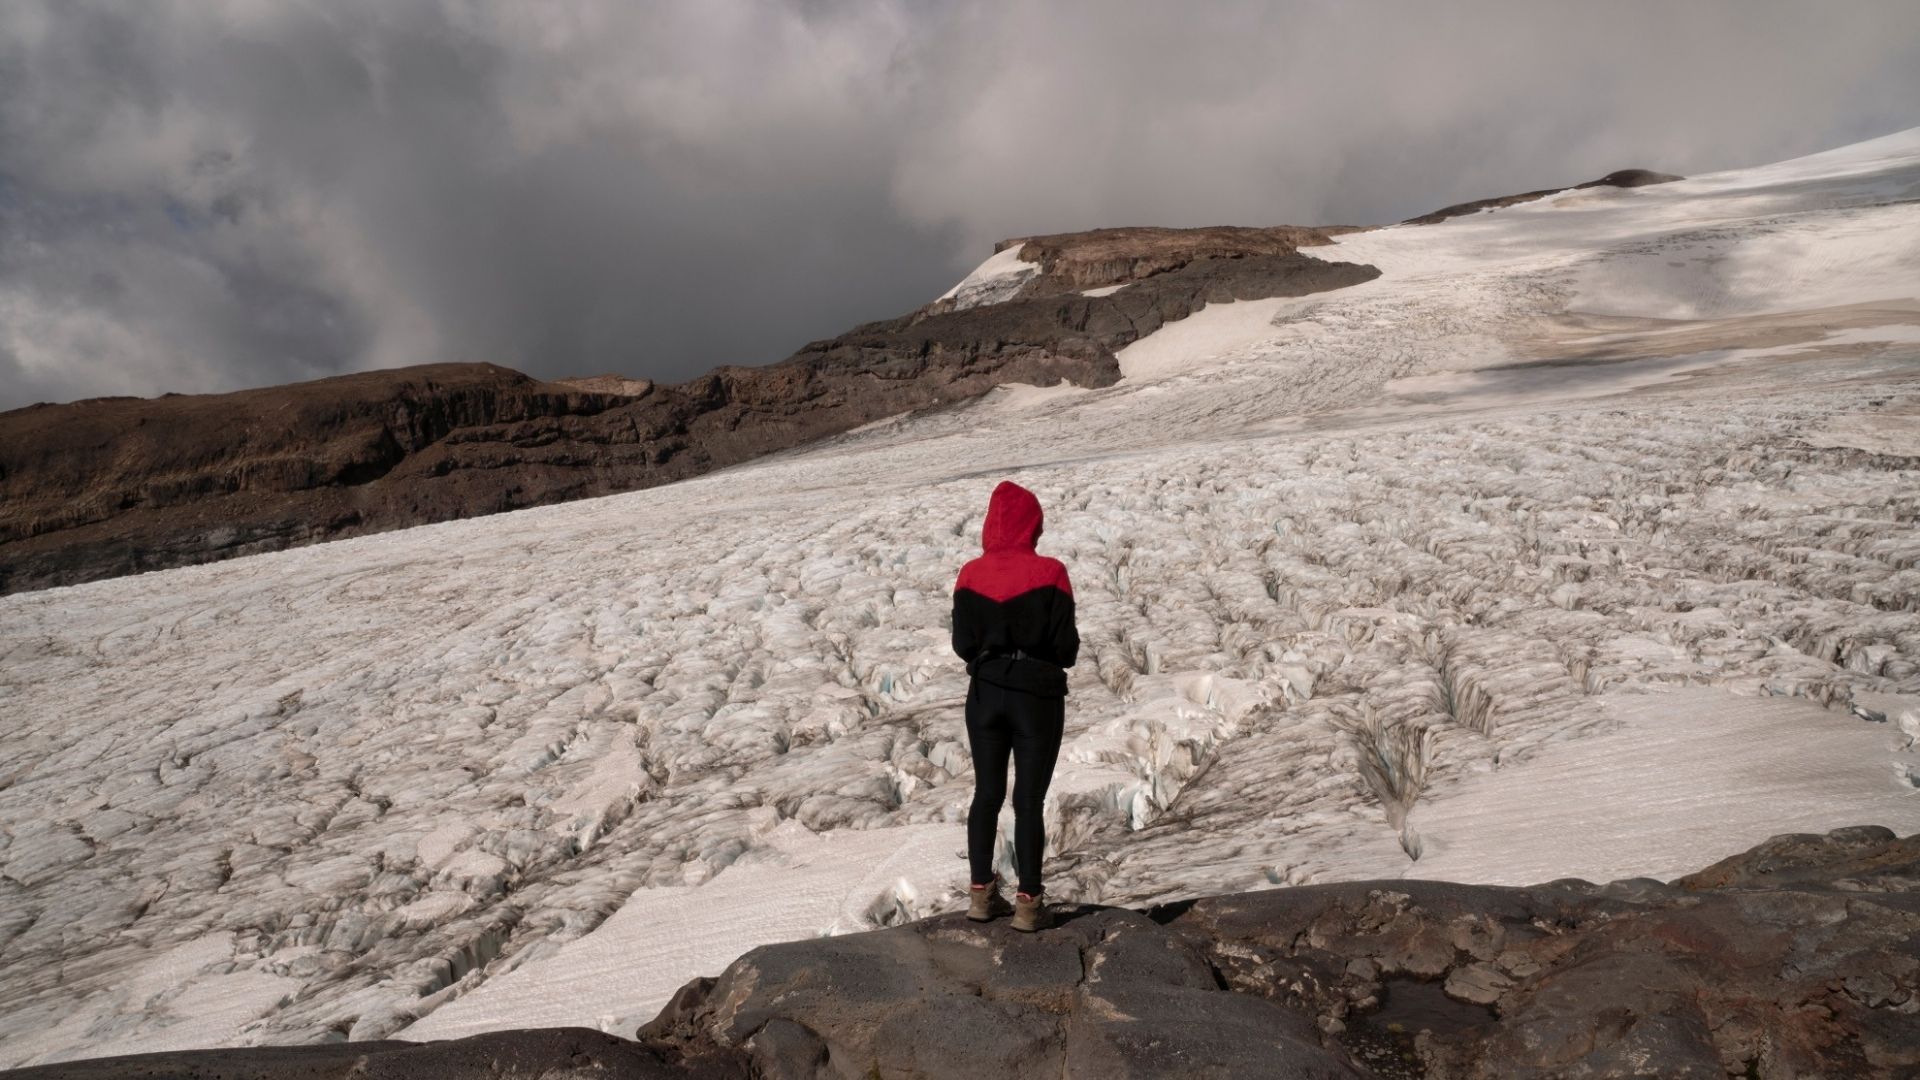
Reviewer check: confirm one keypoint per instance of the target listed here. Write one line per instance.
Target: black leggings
(999, 722)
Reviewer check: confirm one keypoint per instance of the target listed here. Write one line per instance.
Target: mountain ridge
(87, 491)
(110, 486)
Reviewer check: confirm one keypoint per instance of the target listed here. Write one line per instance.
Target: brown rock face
(608, 384)
(113, 486)
(1799, 958)
(118, 485)
(1090, 260)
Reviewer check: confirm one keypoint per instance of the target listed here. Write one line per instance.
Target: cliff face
(112, 486)
(1798, 958)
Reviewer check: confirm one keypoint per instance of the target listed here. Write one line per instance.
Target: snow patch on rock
(993, 281)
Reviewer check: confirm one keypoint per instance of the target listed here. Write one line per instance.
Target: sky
(208, 195)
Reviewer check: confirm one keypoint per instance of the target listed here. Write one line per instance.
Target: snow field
(413, 771)
(794, 887)
(1636, 814)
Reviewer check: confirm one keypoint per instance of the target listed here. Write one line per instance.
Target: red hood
(1013, 519)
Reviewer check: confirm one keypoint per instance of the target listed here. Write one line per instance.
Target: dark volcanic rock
(1798, 958)
(113, 486)
(1865, 858)
(1109, 993)
(550, 1053)
(1620, 178)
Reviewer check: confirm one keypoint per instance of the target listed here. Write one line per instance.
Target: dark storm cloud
(200, 195)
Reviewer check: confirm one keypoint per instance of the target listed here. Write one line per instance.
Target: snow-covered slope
(994, 280)
(1583, 541)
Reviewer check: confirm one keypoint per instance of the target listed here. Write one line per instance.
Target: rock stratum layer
(1800, 957)
(112, 486)
(1624, 178)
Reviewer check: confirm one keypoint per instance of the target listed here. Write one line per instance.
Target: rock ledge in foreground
(1800, 957)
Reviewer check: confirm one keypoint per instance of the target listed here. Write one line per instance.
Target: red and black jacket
(1013, 608)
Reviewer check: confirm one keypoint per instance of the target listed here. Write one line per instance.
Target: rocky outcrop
(608, 384)
(1625, 178)
(1798, 958)
(113, 486)
(1070, 262)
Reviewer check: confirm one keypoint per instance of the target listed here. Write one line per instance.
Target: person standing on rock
(1013, 625)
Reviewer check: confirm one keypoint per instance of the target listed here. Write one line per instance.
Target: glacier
(1582, 542)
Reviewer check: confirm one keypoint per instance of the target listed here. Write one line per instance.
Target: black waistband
(1036, 676)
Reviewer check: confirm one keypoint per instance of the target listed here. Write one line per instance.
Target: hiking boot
(985, 902)
(1028, 914)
